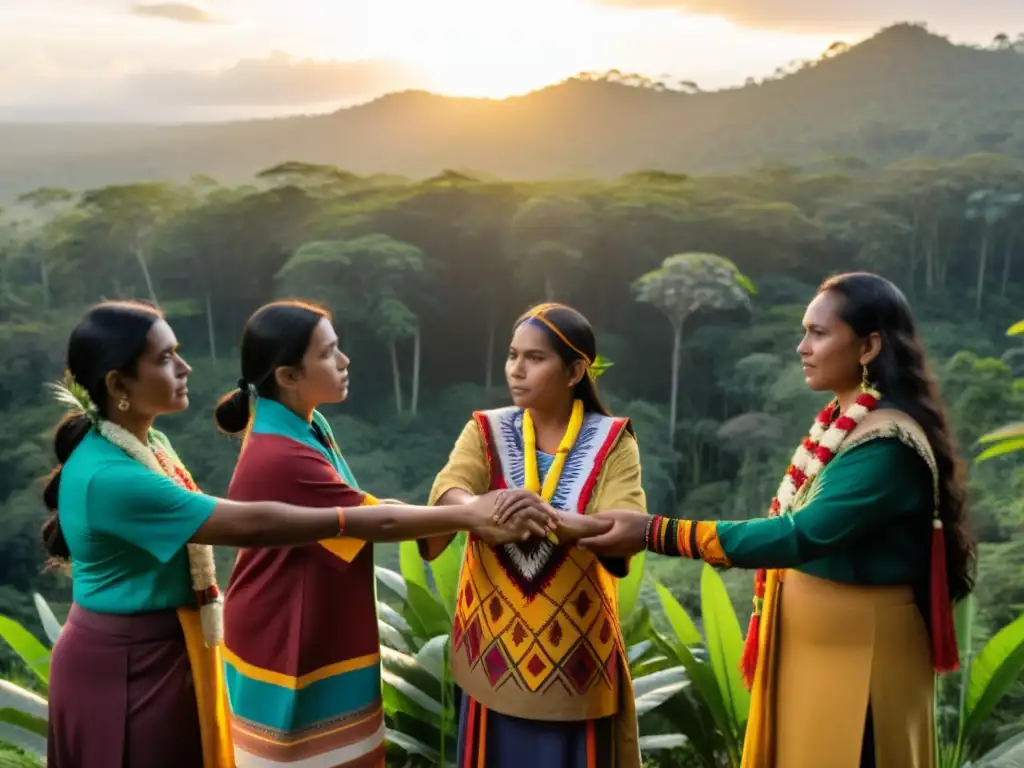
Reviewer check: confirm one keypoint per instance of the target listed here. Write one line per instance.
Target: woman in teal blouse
(136, 678)
(864, 549)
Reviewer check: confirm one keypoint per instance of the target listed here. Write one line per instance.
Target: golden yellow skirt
(839, 648)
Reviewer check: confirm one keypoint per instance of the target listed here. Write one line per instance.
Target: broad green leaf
(20, 731)
(51, 626)
(994, 670)
(23, 643)
(406, 667)
(411, 564)
(34, 725)
(704, 684)
(391, 637)
(391, 580)
(1001, 449)
(392, 617)
(23, 717)
(397, 704)
(432, 655)
(1006, 432)
(690, 715)
(412, 746)
(629, 587)
(1009, 754)
(725, 644)
(662, 741)
(637, 627)
(636, 652)
(963, 620)
(446, 569)
(644, 684)
(428, 610)
(678, 618)
(653, 690)
(412, 693)
(17, 698)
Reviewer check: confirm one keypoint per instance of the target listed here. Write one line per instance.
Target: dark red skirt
(121, 694)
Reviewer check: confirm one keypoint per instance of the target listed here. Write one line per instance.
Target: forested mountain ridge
(902, 92)
(426, 277)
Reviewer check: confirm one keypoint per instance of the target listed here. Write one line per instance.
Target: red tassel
(748, 662)
(945, 654)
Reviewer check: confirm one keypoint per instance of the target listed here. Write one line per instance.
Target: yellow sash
(759, 741)
(211, 693)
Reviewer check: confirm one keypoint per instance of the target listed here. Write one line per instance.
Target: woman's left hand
(625, 538)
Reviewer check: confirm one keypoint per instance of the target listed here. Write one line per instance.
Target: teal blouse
(126, 527)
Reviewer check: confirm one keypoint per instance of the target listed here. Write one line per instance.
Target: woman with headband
(301, 649)
(536, 645)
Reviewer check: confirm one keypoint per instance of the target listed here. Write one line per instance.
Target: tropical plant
(967, 700)
(23, 713)
(1010, 438)
(712, 712)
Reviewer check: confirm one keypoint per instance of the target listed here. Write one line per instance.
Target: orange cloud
(838, 16)
(189, 14)
(278, 80)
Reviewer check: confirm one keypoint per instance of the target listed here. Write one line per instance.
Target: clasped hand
(511, 515)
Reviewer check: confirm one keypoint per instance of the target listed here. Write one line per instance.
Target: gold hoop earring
(123, 404)
(864, 384)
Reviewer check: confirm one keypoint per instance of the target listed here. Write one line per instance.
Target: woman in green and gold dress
(864, 549)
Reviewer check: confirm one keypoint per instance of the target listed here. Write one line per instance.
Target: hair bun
(232, 411)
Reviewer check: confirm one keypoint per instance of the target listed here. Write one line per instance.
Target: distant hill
(902, 92)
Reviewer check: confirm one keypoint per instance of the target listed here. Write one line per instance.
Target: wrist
(467, 518)
(670, 537)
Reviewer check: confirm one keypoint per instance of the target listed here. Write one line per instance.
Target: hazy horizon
(103, 61)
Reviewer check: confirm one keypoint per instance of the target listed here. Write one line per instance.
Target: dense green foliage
(902, 92)
(426, 278)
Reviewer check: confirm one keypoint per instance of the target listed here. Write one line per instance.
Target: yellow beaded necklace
(532, 480)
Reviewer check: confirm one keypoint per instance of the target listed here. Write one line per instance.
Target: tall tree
(685, 284)
(131, 213)
(366, 281)
(547, 237)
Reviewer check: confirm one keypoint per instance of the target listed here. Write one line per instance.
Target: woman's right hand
(528, 519)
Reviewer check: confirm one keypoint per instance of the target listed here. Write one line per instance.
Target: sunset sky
(215, 59)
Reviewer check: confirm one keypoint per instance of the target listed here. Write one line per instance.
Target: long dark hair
(277, 334)
(112, 336)
(872, 304)
(575, 329)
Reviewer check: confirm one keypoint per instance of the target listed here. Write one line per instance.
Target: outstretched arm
(253, 524)
(465, 476)
(856, 496)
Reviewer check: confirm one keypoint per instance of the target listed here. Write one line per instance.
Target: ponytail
(233, 411)
(70, 432)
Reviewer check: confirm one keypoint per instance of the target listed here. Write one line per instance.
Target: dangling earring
(123, 404)
(864, 385)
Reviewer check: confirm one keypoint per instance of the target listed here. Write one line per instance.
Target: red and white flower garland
(814, 453)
